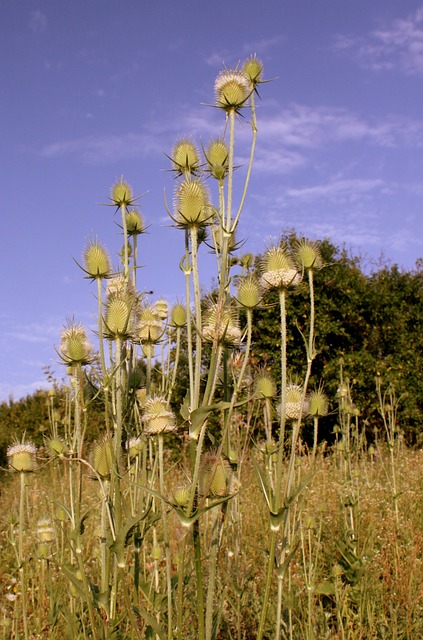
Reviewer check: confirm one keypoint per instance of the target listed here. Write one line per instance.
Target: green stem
(197, 303)
(270, 564)
(166, 542)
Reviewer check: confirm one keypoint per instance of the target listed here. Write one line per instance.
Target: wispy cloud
(398, 45)
(262, 47)
(37, 21)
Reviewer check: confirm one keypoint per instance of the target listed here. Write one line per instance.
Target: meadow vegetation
(237, 466)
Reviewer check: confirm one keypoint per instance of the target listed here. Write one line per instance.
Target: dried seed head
(45, 530)
(74, 345)
(121, 194)
(185, 157)
(120, 287)
(103, 456)
(253, 69)
(118, 318)
(217, 155)
(191, 202)
(96, 260)
(157, 416)
(278, 269)
(182, 496)
(232, 89)
(264, 386)
(134, 223)
(134, 447)
(149, 326)
(221, 322)
(214, 476)
(178, 316)
(317, 403)
(308, 254)
(249, 292)
(21, 456)
(162, 308)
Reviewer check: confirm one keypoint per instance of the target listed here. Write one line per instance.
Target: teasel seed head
(221, 322)
(253, 69)
(96, 260)
(178, 315)
(264, 385)
(191, 204)
(182, 496)
(56, 447)
(157, 416)
(103, 457)
(308, 255)
(21, 456)
(149, 328)
(162, 308)
(278, 270)
(134, 446)
(134, 223)
(118, 320)
(214, 476)
(249, 292)
(75, 347)
(217, 156)
(121, 193)
(317, 403)
(294, 394)
(121, 288)
(232, 88)
(185, 157)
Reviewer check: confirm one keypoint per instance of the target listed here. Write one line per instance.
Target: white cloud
(398, 45)
(37, 21)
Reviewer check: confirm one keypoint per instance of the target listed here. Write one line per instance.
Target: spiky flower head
(191, 204)
(21, 456)
(45, 530)
(96, 260)
(178, 315)
(232, 88)
(118, 320)
(75, 347)
(120, 287)
(264, 385)
(294, 394)
(134, 446)
(181, 496)
(157, 416)
(217, 156)
(220, 322)
(214, 476)
(317, 403)
(149, 325)
(219, 235)
(185, 157)
(308, 254)
(134, 223)
(253, 69)
(55, 447)
(162, 308)
(141, 395)
(121, 193)
(103, 456)
(249, 292)
(278, 269)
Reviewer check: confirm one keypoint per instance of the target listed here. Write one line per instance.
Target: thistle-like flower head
(96, 260)
(185, 157)
(75, 347)
(121, 193)
(149, 325)
(232, 89)
(214, 476)
(134, 223)
(220, 322)
(191, 204)
(178, 315)
(308, 255)
(278, 270)
(103, 456)
(294, 394)
(157, 416)
(21, 456)
(264, 385)
(317, 403)
(253, 69)
(249, 292)
(217, 157)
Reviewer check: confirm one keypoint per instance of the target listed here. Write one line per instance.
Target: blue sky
(95, 89)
